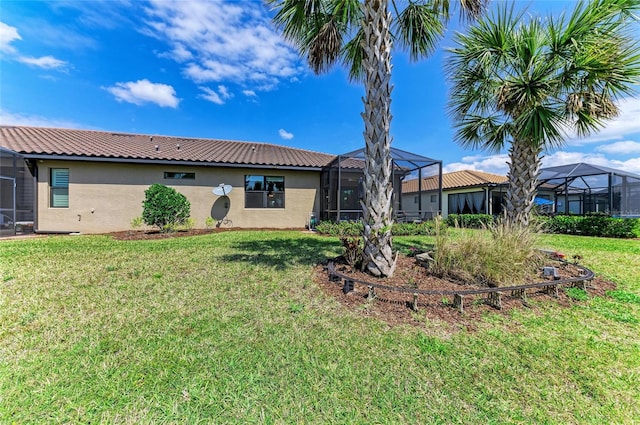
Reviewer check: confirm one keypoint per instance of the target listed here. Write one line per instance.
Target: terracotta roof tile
(456, 179)
(102, 144)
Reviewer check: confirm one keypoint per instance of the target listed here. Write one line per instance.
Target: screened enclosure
(17, 194)
(343, 188)
(586, 188)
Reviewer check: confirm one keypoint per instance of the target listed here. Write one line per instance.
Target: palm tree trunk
(378, 258)
(524, 169)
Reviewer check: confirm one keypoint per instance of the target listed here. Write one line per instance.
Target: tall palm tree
(529, 83)
(359, 34)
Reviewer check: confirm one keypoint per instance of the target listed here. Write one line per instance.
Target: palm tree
(528, 83)
(360, 36)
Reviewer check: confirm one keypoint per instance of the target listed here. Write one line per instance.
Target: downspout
(610, 193)
(566, 196)
(486, 201)
(420, 190)
(339, 189)
(439, 187)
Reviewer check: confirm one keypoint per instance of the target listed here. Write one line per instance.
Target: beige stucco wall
(409, 204)
(105, 197)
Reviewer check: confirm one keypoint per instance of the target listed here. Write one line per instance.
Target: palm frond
(348, 12)
(316, 27)
(325, 47)
(418, 29)
(490, 133)
(296, 18)
(472, 9)
(352, 56)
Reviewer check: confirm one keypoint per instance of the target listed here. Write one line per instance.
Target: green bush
(352, 250)
(165, 208)
(355, 228)
(345, 228)
(469, 221)
(415, 229)
(564, 224)
(591, 225)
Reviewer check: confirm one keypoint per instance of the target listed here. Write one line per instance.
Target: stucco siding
(409, 202)
(105, 197)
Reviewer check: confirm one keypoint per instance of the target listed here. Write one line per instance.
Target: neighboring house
(566, 189)
(94, 181)
(463, 192)
(583, 188)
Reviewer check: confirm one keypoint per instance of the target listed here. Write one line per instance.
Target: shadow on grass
(283, 252)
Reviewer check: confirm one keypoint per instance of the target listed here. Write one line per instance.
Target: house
(94, 181)
(66, 180)
(463, 192)
(566, 189)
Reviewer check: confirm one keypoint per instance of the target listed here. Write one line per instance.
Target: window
(263, 191)
(179, 176)
(416, 199)
(434, 199)
(467, 203)
(59, 183)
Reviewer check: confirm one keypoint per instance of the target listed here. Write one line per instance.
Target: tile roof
(40, 141)
(454, 180)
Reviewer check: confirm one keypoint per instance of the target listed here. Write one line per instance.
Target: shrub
(352, 250)
(591, 225)
(355, 228)
(470, 221)
(137, 222)
(164, 207)
(416, 229)
(622, 228)
(502, 256)
(345, 228)
(210, 222)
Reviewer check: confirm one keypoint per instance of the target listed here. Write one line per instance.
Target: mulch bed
(395, 307)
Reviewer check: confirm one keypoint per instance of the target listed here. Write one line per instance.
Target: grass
(230, 328)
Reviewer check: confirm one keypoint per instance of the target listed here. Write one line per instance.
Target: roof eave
(166, 162)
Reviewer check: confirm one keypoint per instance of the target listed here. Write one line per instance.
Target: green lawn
(230, 328)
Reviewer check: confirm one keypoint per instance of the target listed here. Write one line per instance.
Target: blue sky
(220, 70)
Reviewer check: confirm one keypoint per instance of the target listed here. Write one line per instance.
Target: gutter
(167, 162)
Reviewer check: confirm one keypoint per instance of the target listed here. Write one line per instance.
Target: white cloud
(216, 97)
(144, 91)
(8, 34)
(621, 148)
(249, 93)
(104, 14)
(224, 92)
(179, 54)
(225, 41)
(562, 158)
(45, 62)
(496, 164)
(211, 96)
(285, 134)
(18, 119)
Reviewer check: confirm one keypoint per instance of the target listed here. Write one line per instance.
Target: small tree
(164, 207)
(526, 81)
